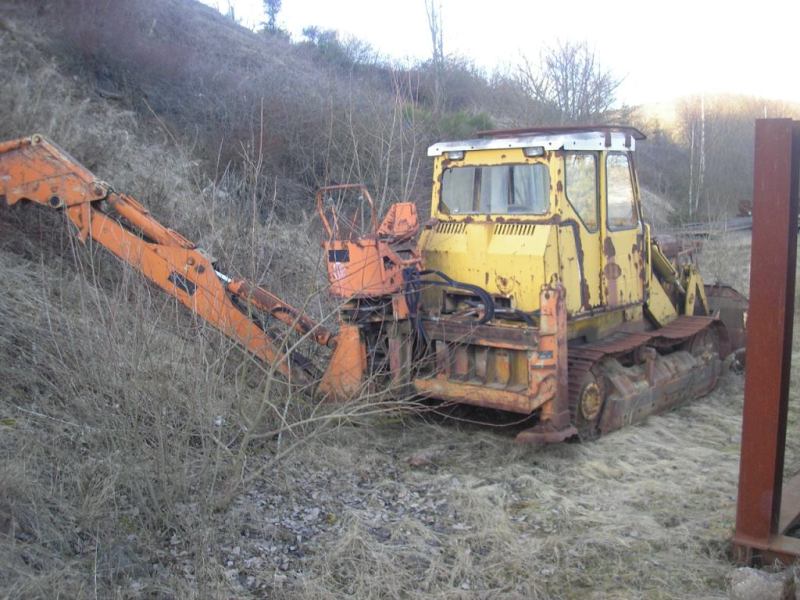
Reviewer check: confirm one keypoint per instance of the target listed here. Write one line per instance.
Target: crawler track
(625, 377)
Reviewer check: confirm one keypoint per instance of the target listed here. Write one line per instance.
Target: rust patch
(560, 186)
(477, 395)
(584, 288)
(460, 362)
(612, 271)
(608, 248)
(502, 367)
(612, 295)
(638, 261)
(584, 295)
(503, 284)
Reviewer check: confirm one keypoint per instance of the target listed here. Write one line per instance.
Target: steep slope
(114, 403)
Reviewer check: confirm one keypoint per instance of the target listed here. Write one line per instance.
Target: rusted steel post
(769, 341)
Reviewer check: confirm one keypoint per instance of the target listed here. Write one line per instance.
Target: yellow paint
(512, 255)
(695, 290)
(659, 306)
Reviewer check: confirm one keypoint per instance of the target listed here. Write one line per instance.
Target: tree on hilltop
(569, 79)
(272, 8)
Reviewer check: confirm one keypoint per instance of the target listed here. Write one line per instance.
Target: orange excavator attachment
(368, 267)
(344, 378)
(36, 170)
(366, 260)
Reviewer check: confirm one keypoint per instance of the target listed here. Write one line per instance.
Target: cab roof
(592, 137)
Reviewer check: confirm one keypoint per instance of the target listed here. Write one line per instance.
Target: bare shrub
(127, 422)
(113, 416)
(571, 81)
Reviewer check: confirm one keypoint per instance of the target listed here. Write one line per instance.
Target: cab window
(621, 205)
(581, 186)
(499, 189)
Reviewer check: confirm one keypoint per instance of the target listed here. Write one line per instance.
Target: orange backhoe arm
(36, 170)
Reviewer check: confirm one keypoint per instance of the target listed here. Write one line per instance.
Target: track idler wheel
(706, 346)
(587, 400)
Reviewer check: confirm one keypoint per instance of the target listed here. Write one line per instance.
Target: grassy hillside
(143, 454)
(124, 422)
(325, 109)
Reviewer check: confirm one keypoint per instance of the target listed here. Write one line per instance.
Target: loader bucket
(731, 308)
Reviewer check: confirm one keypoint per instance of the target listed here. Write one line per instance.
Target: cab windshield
(499, 189)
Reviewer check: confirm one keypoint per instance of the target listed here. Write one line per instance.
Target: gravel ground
(418, 509)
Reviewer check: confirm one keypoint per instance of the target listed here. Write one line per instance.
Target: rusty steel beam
(760, 525)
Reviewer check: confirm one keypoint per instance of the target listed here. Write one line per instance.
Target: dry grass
(138, 457)
(121, 418)
(126, 426)
(109, 427)
(643, 513)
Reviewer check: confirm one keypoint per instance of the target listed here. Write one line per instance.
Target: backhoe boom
(36, 170)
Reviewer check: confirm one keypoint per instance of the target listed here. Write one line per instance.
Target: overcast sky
(662, 50)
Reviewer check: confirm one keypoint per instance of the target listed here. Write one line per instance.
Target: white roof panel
(589, 140)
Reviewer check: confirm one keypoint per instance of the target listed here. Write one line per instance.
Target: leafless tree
(272, 8)
(434, 12)
(569, 79)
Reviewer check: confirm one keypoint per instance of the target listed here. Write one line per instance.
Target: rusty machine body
(535, 288)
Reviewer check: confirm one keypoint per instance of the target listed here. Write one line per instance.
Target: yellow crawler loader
(535, 288)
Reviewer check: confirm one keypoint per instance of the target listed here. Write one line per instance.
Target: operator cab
(516, 209)
(509, 171)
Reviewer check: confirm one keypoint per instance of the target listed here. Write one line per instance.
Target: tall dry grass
(127, 426)
(126, 423)
(110, 426)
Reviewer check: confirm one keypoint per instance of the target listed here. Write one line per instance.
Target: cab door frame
(623, 258)
(587, 239)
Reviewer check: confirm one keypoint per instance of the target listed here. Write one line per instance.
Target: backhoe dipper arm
(37, 170)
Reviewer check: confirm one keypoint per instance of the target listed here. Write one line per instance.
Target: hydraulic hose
(485, 297)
